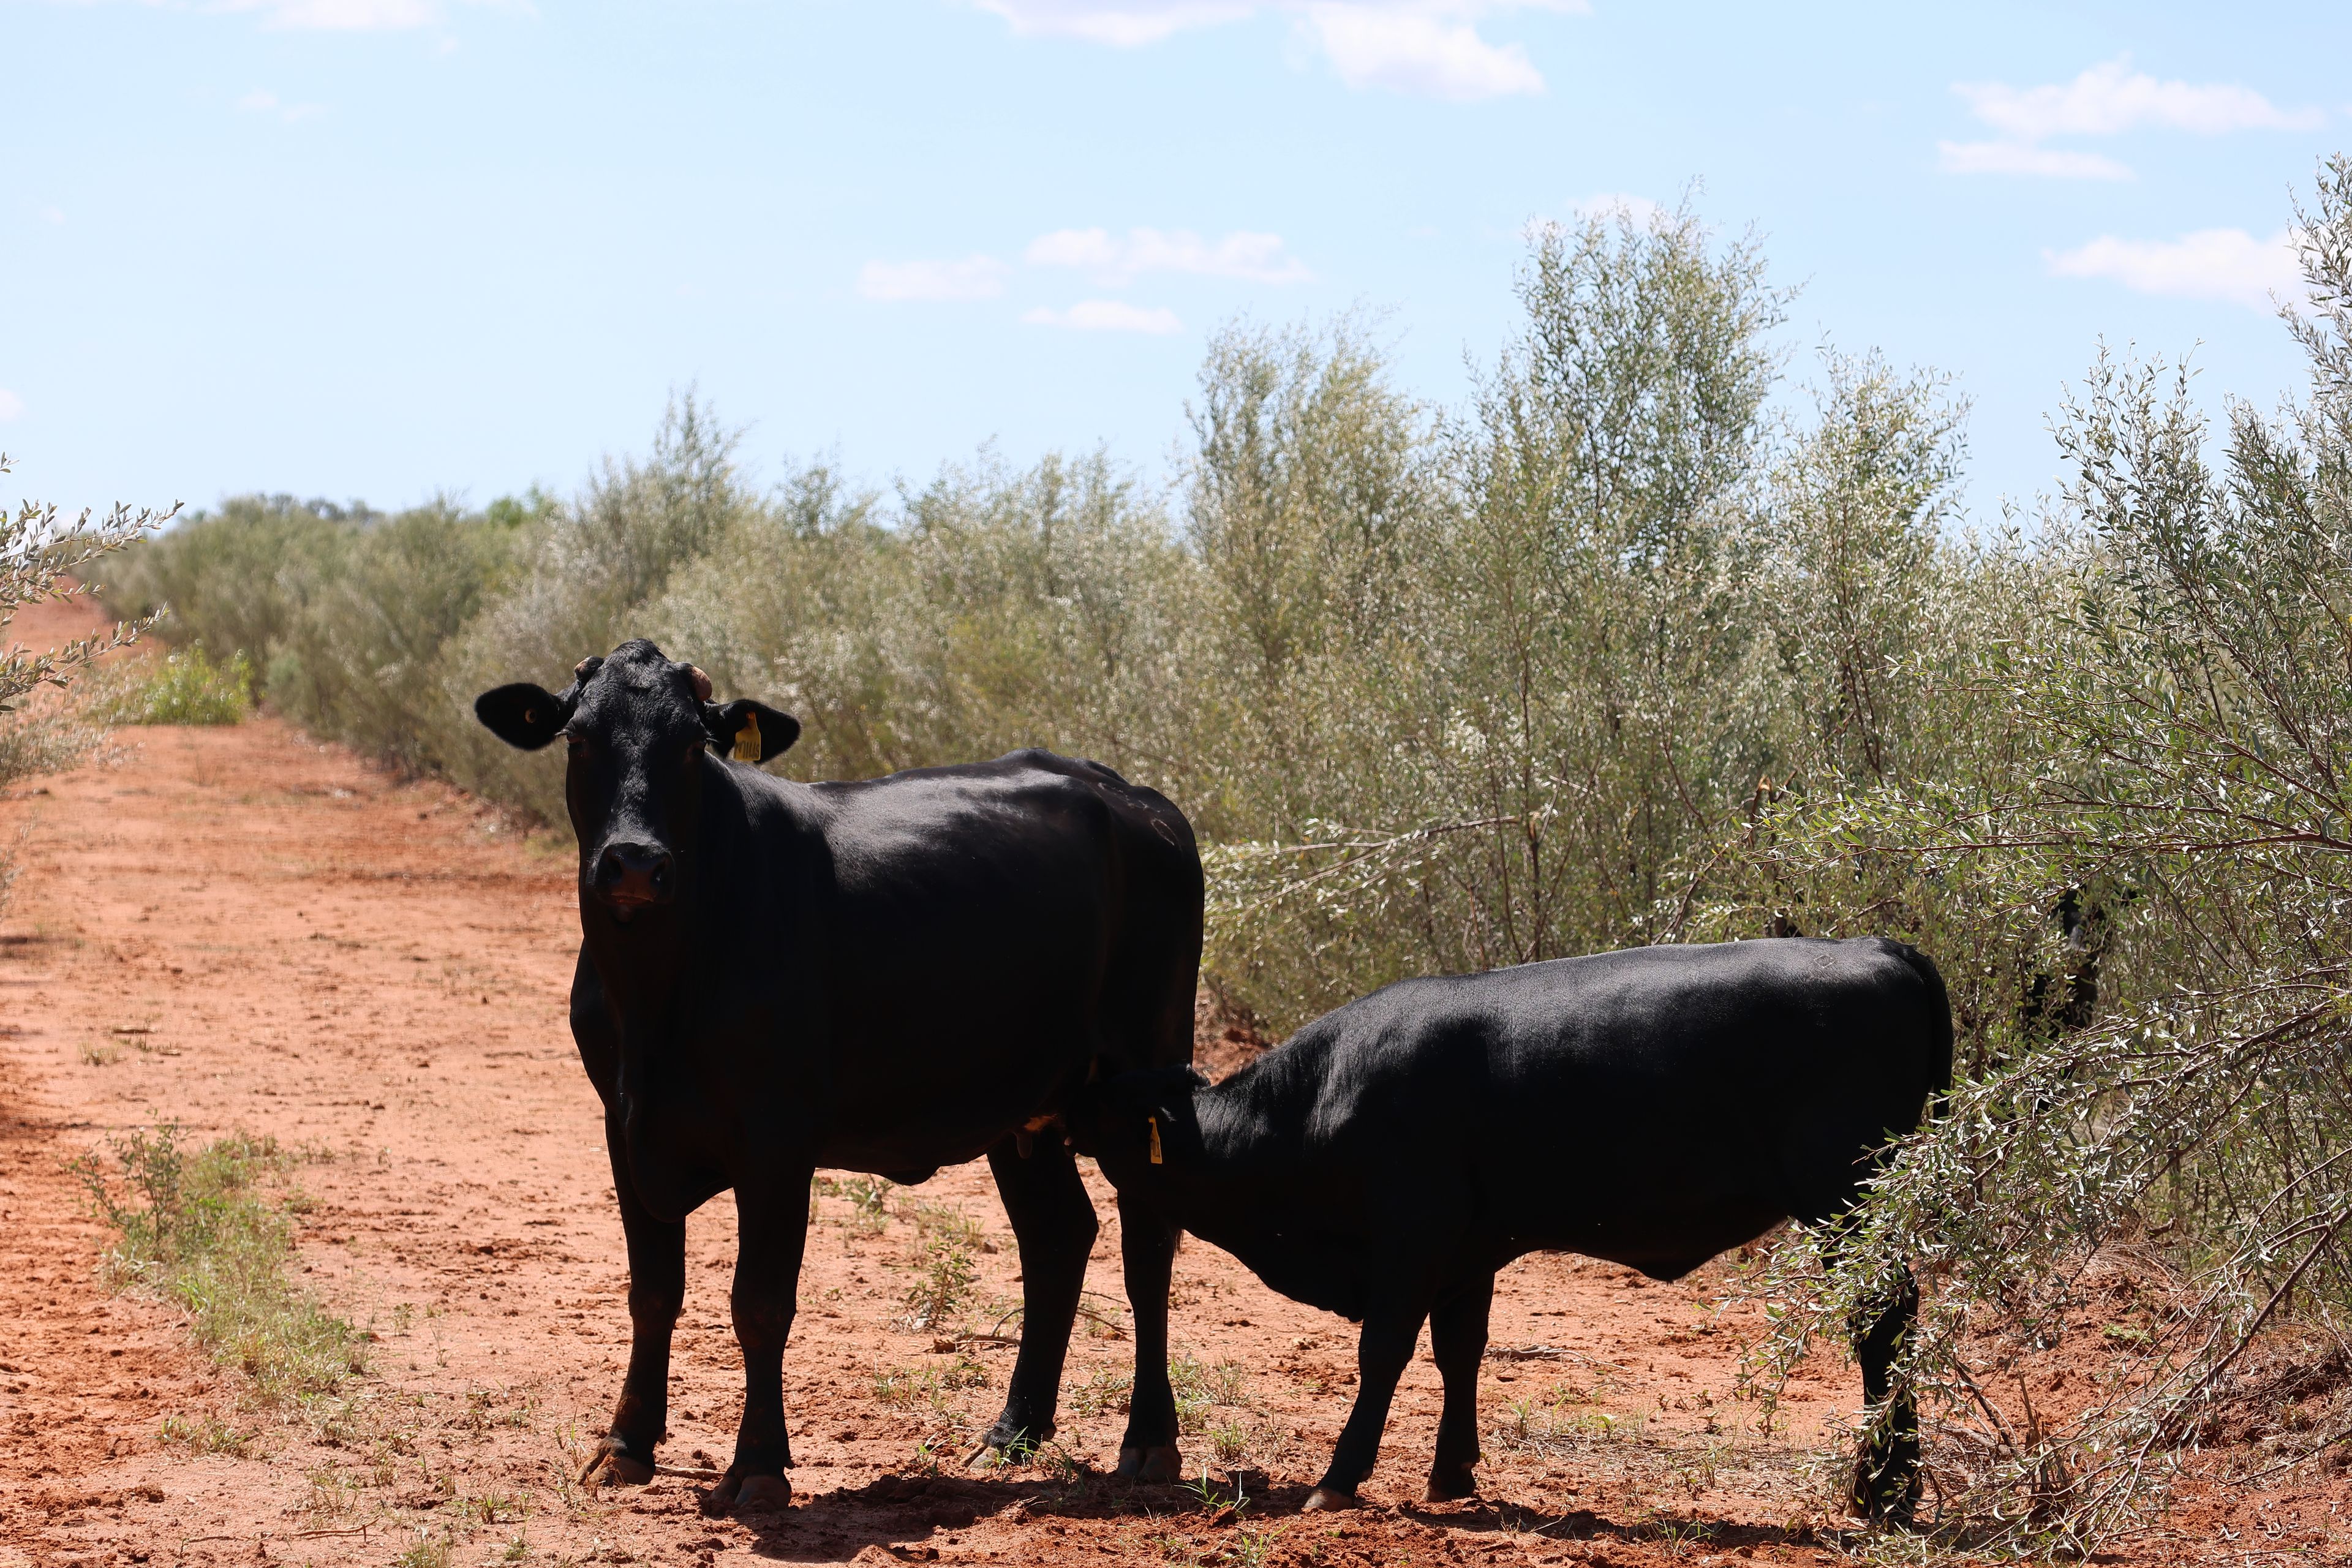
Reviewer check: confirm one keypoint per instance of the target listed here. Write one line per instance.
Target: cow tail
(1939, 1003)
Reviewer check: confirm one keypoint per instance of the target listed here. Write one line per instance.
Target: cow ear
(524, 715)
(750, 732)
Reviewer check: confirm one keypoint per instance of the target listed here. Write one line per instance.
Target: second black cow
(889, 976)
(1652, 1106)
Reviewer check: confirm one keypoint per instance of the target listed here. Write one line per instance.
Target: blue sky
(380, 248)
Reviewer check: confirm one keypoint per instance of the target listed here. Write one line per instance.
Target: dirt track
(241, 928)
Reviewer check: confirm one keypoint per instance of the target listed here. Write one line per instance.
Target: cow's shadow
(899, 1510)
(1688, 1530)
(902, 1511)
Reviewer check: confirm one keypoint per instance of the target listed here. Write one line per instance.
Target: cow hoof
(1452, 1486)
(764, 1494)
(611, 1465)
(1328, 1499)
(1160, 1462)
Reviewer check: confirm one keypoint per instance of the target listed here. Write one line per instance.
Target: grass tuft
(198, 1229)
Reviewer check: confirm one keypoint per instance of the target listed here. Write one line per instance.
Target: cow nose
(632, 874)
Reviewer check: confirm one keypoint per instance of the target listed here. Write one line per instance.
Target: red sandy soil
(241, 928)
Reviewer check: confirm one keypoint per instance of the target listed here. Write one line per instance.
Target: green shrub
(198, 1229)
(187, 688)
(44, 560)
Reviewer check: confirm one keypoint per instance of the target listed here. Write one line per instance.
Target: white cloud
(1428, 49)
(11, 406)
(2209, 264)
(2016, 158)
(339, 15)
(353, 15)
(1124, 23)
(973, 277)
(260, 101)
(1254, 257)
(2110, 98)
(1108, 316)
(2105, 100)
(1421, 51)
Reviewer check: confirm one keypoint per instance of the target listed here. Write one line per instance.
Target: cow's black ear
(733, 728)
(524, 715)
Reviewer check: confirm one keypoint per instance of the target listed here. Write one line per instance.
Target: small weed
(331, 1494)
(946, 1286)
(1198, 1387)
(195, 1228)
(491, 1507)
(1250, 1547)
(430, 1550)
(940, 1224)
(868, 1198)
(209, 1435)
(1228, 1441)
(905, 1387)
(99, 1054)
(1106, 1393)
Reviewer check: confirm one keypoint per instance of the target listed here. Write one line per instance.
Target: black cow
(886, 976)
(1653, 1107)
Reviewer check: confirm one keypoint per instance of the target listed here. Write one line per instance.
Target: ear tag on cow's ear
(747, 740)
(1155, 1139)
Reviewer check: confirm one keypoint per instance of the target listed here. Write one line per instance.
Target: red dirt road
(241, 928)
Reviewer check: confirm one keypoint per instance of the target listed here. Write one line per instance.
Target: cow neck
(1233, 1165)
(648, 968)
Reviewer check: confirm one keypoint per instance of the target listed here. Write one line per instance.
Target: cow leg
(1457, 1338)
(1886, 1474)
(1146, 1249)
(1054, 1224)
(657, 1292)
(771, 1222)
(1384, 1350)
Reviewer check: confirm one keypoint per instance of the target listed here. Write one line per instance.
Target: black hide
(1654, 1107)
(886, 976)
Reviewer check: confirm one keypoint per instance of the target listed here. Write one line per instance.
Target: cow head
(1143, 1128)
(639, 728)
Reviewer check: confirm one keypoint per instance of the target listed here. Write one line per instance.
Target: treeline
(1611, 654)
(1446, 688)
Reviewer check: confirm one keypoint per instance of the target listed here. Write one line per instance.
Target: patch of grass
(429, 1551)
(943, 1225)
(1198, 1387)
(99, 1054)
(868, 1198)
(907, 1387)
(197, 1228)
(209, 1435)
(1228, 1441)
(187, 688)
(1103, 1394)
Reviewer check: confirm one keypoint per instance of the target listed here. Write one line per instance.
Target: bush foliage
(45, 561)
(1642, 644)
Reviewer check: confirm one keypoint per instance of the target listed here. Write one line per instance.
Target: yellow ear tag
(1155, 1138)
(747, 740)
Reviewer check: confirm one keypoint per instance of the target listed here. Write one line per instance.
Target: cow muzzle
(629, 876)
